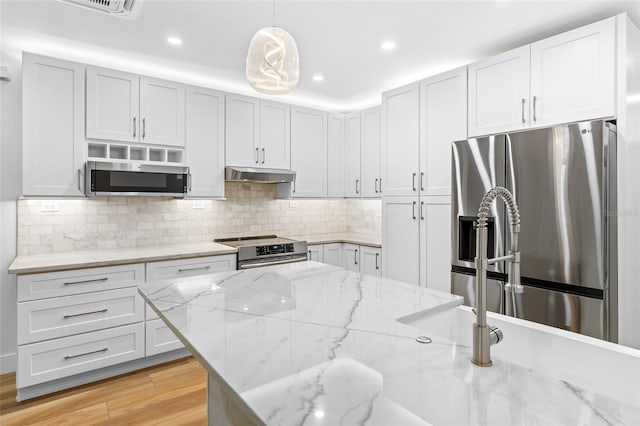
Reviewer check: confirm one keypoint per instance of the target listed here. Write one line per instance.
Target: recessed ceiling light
(174, 41)
(388, 45)
(318, 77)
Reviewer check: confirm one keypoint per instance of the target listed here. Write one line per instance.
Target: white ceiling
(340, 39)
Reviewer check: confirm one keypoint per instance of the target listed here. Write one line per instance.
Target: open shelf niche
(97, 151)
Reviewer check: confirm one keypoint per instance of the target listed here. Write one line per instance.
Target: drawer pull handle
(194, 269)
(101, 311)
(97, 280)
(86, 353)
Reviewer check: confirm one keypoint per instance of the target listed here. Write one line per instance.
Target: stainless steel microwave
(105, 178)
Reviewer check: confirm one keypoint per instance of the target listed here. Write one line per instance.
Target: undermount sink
(593, 364)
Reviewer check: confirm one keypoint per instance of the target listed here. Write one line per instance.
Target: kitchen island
(308, 343)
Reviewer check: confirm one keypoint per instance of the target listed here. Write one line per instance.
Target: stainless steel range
(265, 250)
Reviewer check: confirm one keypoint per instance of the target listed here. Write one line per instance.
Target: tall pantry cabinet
(419, 123)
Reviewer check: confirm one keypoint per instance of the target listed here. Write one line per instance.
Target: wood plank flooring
(168, 394)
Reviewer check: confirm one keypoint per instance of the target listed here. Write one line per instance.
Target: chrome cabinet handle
(413, 185)
(263, 155)
(380, 185)
(294, 187)
(355, 257)
(535, 98)
(375, 186)
(421, 181)
(96, 280)
(414, 210)
(198, 268)
(101, 311)
(144, 127)
(134, 127)
(357, 183)
(523, 120)
(377, 257)
(189, 182)
(421, 208)
(257, 155)
(86, 353)
(79, 179)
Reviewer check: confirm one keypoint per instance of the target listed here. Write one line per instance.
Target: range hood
(250, 174)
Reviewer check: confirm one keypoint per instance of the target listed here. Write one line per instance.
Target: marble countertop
(92, 258)
(341, 237)
(312, 344)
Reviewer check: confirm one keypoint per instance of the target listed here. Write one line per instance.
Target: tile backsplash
(249, 209)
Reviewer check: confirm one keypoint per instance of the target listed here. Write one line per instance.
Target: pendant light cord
(274, 13)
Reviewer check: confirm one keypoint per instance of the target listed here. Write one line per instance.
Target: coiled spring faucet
(483, 335)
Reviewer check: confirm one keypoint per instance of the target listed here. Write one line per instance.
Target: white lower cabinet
(370, 261)
(315, 252)
(160, 338)
(59, 358)
(401, 239)
(332, 254)
(350, 254)
(167, 269)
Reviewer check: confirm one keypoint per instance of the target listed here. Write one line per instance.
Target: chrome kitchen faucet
(484, 335)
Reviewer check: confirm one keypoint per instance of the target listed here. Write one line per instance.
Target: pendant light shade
(272, 61)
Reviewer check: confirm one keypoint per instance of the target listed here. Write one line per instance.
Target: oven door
(136, 179)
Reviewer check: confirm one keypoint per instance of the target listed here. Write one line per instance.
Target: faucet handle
(514, 288)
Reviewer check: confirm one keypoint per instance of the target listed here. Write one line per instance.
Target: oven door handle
(274, 262)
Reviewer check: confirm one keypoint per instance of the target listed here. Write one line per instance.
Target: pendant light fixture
(272, 60)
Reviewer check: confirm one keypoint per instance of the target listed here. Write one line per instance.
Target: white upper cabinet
(499, 93)
(335, 156)
(130, 108)
(161, 112)
(205, 141)
(370, 152)
(309, 152)
(242, 131)
(443, 120)
(258, 133)
(352, 183)
(565, 78)
(275, 135)
(112, 105)
(400, 141)
(573, 75)
(53, 150)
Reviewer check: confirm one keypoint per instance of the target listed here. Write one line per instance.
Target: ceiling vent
(128, 9)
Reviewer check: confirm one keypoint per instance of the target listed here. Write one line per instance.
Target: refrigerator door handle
(535, 98)
(523, 120)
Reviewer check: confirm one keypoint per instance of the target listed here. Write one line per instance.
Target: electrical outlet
(198, 204)
(334, 203)
(293, 204)
(50, 206)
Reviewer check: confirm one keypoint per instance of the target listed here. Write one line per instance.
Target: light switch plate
(198, 204)
(293, 204)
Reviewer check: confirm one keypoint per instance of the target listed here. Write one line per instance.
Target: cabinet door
(205, 141)
(335, 156)
(275, 135)
(370, 261)
(53, 149)
(370, 152)
(401, 239)
(351, 254)
(353, 185)
(400, 141)
(242, 131)
(499, 93)
(332, 254)
(162, 112)
(112, 105)
(309, 152)
(443, 120)
(316, 252)
(436, 242)
(573, 75)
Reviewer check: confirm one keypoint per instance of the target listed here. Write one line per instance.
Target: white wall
(10, 188)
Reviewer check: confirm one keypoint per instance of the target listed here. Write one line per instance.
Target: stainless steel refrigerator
(564, 181)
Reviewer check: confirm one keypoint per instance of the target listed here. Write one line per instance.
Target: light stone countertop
(341, 237)
(313, 344)
(50, 262)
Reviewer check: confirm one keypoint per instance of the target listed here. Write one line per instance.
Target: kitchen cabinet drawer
(59, 358)
(64, 283)
(190, 267)
(64, 316)
(159, 338)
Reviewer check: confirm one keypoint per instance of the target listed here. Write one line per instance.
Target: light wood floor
(169, 394)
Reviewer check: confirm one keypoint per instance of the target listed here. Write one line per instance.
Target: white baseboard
(8, 363)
